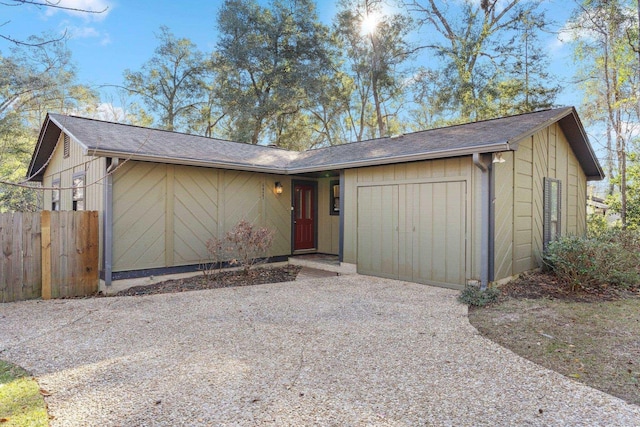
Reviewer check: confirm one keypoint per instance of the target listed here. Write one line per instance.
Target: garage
(414, 232)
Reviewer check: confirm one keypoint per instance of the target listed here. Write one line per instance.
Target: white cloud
(89, 33)
(83, 8)
(83, 32)
(110, 112)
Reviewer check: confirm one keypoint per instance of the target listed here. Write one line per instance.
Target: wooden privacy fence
(48, 254)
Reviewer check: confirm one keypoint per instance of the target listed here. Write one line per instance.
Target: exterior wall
(164, 214)
(64, 169)
(519, 199)
(328, 225)
(432, 171)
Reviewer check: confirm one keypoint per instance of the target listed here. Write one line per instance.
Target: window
(334, 197)
(552, 210)
(66, 146)
(55, 195)
(78, 191)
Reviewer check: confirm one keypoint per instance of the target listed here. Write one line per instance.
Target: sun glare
(370, 23)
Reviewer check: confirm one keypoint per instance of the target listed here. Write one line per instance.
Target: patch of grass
(21, 403)
(595, 343)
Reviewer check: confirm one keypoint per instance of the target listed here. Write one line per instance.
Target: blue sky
(104, 45)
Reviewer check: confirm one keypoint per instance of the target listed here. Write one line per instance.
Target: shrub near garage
(245, 245)
(593, 263)
(474, 296)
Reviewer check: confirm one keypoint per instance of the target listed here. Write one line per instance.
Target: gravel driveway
(344, 351)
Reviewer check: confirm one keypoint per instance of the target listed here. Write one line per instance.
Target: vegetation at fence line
(245, 246)
(610, 259)
(21, 400)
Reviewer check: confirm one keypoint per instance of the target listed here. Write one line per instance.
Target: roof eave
(66, 131)
(186, 162)
(34, 158)
(592, 155)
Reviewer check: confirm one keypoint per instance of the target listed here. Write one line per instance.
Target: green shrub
(596, 225)
(610, 259)
(473, 295)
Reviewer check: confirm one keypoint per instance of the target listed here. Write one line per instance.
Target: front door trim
(313, 184)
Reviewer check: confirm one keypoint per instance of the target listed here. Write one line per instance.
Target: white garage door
(414, 232)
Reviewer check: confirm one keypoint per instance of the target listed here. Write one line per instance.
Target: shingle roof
(118, 140)
(102, 137)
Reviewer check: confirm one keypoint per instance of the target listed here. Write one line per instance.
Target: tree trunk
(374, 87)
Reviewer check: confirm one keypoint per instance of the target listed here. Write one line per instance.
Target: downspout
(341, 213)
(112, 163)
(484, 221)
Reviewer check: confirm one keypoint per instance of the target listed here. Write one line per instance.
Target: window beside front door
(552, 210)
(334, 198)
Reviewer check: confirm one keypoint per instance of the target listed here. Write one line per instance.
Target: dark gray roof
(125, 141)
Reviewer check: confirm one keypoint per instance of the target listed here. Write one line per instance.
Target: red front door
(304, 217)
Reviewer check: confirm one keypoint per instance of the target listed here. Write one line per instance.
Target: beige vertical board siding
(278, 214)
(139, 201)
(562, 170)
(581, 227)
(413, 221)
(439, 225)
(523, 259)
(406, 228)
(455, 217)
(571, 188)
(540, 170)
(573, 179)
(350, 203)
(377, 233)
(328, 225)
(47, 181)
(552, 132)
(195, 213)
(503, 216)
(94, 195)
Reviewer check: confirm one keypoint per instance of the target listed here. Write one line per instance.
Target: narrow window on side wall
(78, 191)
(55, 195)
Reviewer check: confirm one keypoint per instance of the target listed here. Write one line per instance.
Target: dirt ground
(224, 279)
(592, 337)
